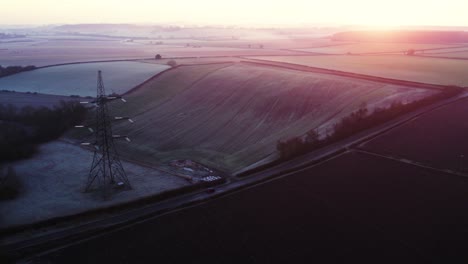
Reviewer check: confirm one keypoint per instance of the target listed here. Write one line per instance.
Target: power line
(106, 173)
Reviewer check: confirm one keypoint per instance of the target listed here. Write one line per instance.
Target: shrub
(10, 184)
(172, 63)
(5, 71)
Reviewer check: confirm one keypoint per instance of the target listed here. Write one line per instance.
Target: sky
(238, 12)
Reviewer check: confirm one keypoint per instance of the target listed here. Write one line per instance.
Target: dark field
(353, 209)
(437, 138)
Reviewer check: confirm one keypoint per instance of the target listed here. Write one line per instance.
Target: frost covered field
(35, 100)
(52, 185)
(80, 79)
(231, 115)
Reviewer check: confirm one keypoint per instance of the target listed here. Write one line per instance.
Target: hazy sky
(242, 12)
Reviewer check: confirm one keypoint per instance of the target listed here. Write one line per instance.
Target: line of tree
(355, 122)
(21, 130)
(5, 71)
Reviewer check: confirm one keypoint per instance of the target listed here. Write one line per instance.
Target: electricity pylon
(106, 172)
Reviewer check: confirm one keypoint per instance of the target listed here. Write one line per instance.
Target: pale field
(370, 47)
(447, 54)
(53, 181)
(81, 79)
(231, 115)
(194, 61)
(44, 52)
(410, 68)
(35, 100)
(447, 50)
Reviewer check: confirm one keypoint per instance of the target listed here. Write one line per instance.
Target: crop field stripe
(154, 108)
(226, 123)
(170, 98)
(204, 118)
(254, 137)
(231, 144)
(233, 116)
(185, 89)
(340, 110)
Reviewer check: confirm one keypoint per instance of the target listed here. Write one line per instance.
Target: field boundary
(85, 62)
(410, 162)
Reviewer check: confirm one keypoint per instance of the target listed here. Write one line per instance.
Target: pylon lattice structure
(106, 172)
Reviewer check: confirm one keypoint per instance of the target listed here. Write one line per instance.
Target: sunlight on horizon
(240, 12)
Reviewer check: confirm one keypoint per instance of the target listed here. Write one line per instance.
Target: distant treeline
(5, 71)
(421, 36)
(8, 36)
(21, 130)
(355, 122)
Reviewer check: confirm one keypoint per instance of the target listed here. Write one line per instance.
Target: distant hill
(96, 27)
(420, 36)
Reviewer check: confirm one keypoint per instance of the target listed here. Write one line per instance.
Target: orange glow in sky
(238, 12)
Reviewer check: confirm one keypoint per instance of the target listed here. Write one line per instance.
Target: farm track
(412, 162)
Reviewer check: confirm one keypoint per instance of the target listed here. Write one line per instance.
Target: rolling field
(410, 68)
(43, 52)
(50, 51)
(81, 79)
(449, 54)
(371, 47)
(440, 148)
(231, 115)
(35, 100)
